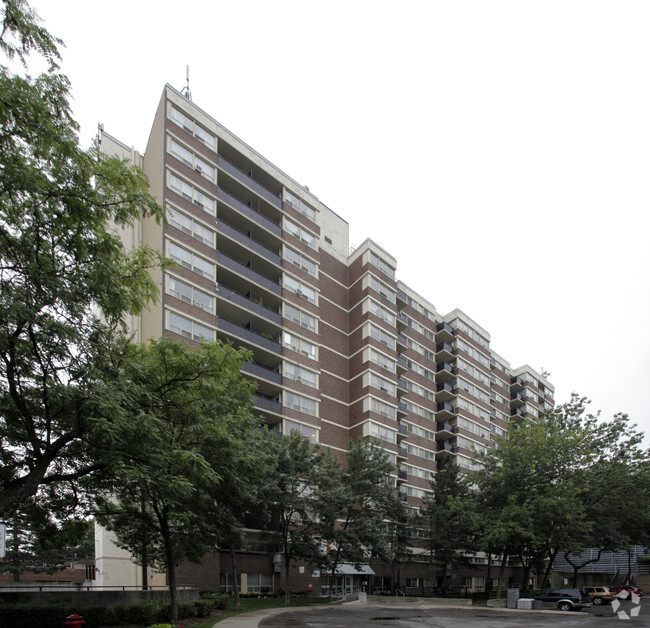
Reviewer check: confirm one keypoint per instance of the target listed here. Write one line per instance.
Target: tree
(448, 520)
(544, 485)
(192, 408)
(289, 493)
(39, 544)
(65, 279)
(353, 504)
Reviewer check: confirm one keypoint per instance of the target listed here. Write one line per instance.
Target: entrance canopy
(346, 569)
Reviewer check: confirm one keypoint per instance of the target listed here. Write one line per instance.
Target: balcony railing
(249, 212)
(249, 304)
(249, 242)
(261, 371)
(248, 181)
(271, 405)
(251, 274)
(447, 427)
(402, 452)
(446, 327)
(248, 335)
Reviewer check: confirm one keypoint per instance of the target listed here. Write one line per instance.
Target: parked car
(563, 599)
(625, 591)
(600, 595)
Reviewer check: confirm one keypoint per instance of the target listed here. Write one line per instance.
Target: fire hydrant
(74, 621)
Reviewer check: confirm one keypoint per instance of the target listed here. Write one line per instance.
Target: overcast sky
(498, 149)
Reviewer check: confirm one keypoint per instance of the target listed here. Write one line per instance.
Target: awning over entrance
(350, 570)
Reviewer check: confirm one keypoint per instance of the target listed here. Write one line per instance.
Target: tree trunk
(235, 586)
(549, 568)
(502, 570)
(145, 582)
(487, 574)
(287, 594)
(171, 569)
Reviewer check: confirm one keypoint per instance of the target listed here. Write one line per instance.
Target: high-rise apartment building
(341, 348)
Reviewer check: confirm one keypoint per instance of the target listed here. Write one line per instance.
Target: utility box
(525, 604)
(513, 598)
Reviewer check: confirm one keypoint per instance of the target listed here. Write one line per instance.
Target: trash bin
(537, 605)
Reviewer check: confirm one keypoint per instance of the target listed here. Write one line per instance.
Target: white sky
(499, 150)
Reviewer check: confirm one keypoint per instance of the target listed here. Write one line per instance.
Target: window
(376, 261)
(259, 582)
(302, 234)
(420, 390)
(420, 308)
(300, 261)
(381, 360)
(385, 291)
(472, 427)
(188, 328)
(420, 411)
(381, 312)
(382, 408)
(300, 374)
(298, 316)
(189, 294)
(420, 452)
(307, 431)
(382, 337)
(191, 194)
(190, 226)
(300, 206)
(300, 403)
(420, 431)
(381, 432)
(475, 372)
(190, 260)
(299, 345)
(191, 160)
(190, 126)
(300, 289)
(382, 384)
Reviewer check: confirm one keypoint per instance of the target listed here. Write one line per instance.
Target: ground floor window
(225, 581)
(381, 584)
(259, 583)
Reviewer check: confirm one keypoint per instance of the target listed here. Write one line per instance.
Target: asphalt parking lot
(440, 617)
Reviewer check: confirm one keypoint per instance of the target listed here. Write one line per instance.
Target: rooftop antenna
(545, 374)
(186, 90)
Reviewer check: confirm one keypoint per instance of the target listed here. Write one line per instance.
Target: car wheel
(597, 600)
(565, 606)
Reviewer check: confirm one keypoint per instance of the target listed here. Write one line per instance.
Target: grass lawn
(257, 604)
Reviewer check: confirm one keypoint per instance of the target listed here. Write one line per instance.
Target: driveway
(367, 615)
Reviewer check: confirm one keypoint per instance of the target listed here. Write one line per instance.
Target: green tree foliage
(547, 486)
(449, 519)
(37, 544)
(288, 494)
(65, 279)
(354, 504)
(192, 408)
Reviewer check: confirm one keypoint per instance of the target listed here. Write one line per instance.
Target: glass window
(299, 345)
(190, 226)
(300, 261)
(191, 194)
(190, 261)
(298, 316)
(299, 374)
(298, 232)
(300, 403)
(183, 120)
(188, 328)
(299, 288)
(299, 205)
